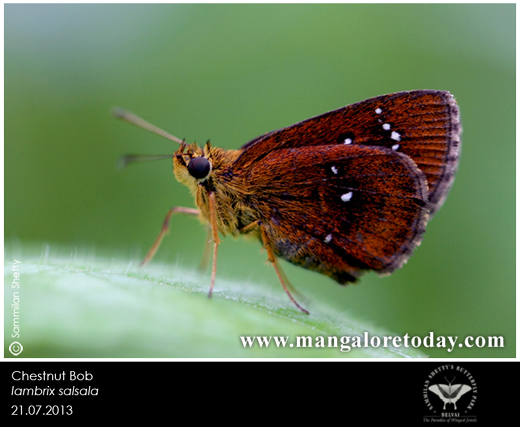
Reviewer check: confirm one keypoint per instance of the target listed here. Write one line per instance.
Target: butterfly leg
(281, 277)
(164, 230)
(206, 253)
(291, 288)
(216, 240)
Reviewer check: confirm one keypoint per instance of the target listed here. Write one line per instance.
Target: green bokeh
(233, 72)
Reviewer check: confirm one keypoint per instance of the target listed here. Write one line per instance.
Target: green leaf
(74, 303)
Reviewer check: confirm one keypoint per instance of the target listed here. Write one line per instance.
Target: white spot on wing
(348, 141)
(395, 147)
(378, 111)
(335, 170)
(328, 238)
(395, 136)
(386, 126)
(347, 196)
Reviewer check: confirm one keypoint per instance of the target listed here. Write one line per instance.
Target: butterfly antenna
(131, 118)
(128, 159)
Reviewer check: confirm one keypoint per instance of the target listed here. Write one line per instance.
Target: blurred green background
(230, 73)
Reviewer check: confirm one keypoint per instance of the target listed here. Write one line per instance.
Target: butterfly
(450, 393)
(341, 193)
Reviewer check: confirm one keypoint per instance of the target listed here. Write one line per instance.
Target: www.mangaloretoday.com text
(347, 343)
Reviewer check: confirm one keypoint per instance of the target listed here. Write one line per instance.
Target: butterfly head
(192, 165)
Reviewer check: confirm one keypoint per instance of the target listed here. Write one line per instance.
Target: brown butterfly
(345, 192)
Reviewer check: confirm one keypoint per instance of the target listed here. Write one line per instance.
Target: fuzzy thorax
(229, 188)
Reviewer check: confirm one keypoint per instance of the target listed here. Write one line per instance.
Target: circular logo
(450, 391)
(15, 348)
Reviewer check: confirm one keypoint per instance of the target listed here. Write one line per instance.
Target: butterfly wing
(422, 124)
(459, 390)
(357, 208)
(439, 391)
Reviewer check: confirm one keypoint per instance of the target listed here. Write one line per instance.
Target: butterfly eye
(199, 167)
